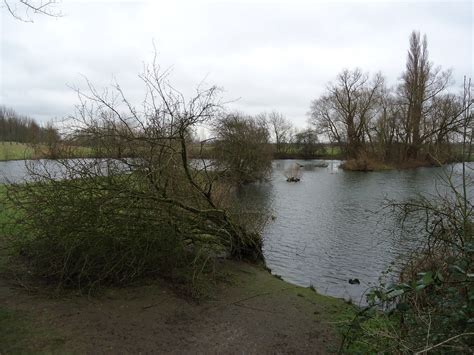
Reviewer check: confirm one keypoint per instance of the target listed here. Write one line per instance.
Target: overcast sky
(267, 55)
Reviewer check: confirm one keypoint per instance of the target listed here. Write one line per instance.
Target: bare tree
(23, 9)
(281, 130)
(393, 126)
(145, 207)
(346, 111)
(421, 85)
(387, 127)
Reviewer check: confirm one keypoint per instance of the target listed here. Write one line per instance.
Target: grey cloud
(268, 55)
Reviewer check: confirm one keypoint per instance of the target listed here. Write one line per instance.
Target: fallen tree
(146, 210)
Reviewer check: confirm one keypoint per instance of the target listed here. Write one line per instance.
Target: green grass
(376, 333)
(294, 152)
(18, 333)
(333, 151)
(15, 151)
(22, 151)
(7, 212)
(8, 227)
(83, 152)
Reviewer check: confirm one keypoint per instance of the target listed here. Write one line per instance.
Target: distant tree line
(358, 118)
(245, 142)
(23, 129)
(291, 142)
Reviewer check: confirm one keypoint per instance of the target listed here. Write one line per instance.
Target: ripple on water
(330, 227)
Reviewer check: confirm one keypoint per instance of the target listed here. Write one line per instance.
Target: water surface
(332, 227)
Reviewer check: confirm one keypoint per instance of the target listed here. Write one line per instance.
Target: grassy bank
(23, 151)
(207, 151)
(15, 151)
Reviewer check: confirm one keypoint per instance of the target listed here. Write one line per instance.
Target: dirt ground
(252, 312)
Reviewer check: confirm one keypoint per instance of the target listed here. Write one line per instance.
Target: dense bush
(83, 233)
(145, 210)
(242, 148)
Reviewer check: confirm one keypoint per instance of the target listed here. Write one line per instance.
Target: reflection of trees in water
(293, 173)
(279, 165)
(253, 205)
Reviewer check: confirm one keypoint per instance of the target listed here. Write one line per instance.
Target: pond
(329, 227)
(17, 170)
(14, 170)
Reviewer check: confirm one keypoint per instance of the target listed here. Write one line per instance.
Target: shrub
(144, 209)
(242, 148)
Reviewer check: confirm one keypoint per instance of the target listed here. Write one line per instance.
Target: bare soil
(251, 312)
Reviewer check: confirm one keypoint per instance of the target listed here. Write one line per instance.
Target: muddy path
(252, 312)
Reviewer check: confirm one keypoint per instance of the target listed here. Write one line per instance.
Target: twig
(443, 342)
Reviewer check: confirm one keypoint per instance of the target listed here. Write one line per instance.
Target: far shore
(14, 151)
